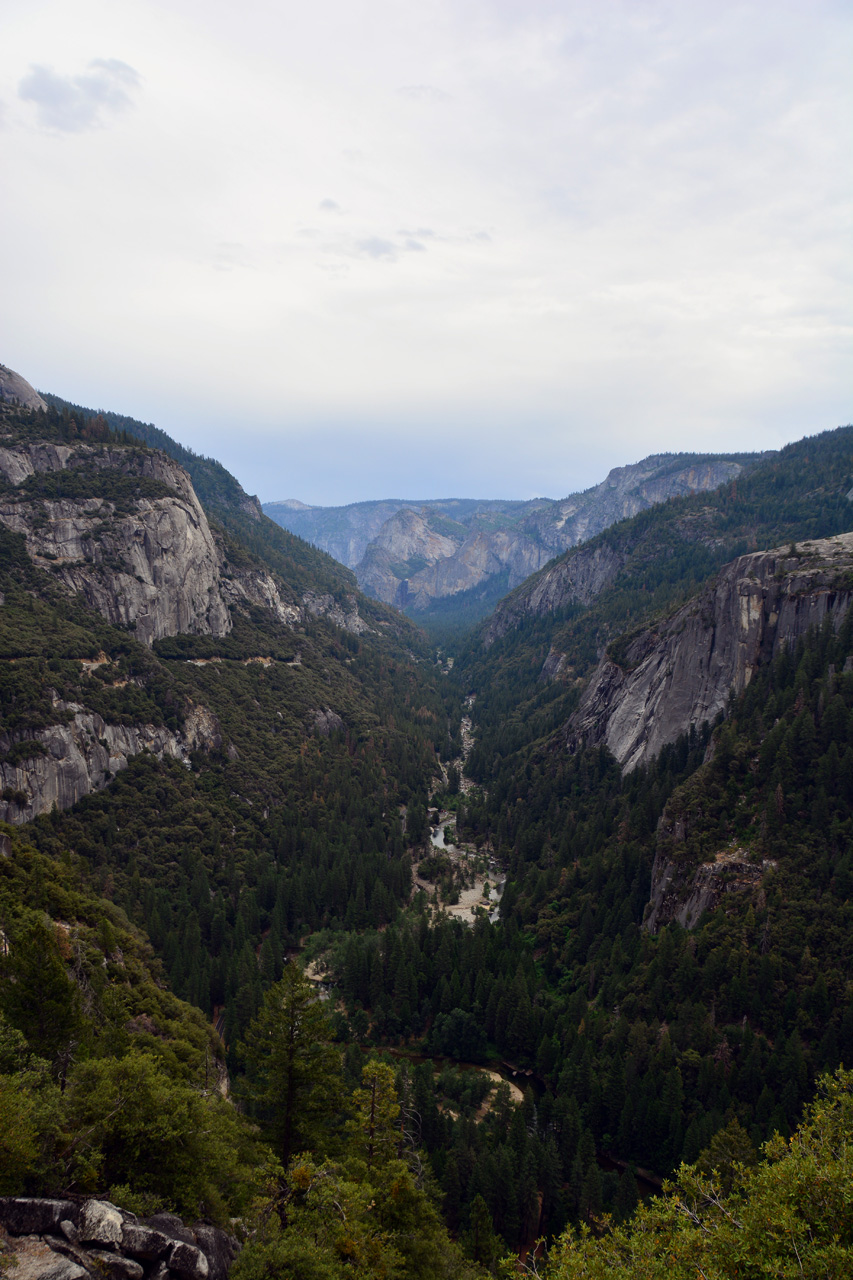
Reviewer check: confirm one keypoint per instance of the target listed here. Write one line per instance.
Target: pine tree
(376, 1113)
(294, 1070)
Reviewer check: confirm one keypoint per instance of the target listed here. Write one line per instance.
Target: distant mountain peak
(293, 504)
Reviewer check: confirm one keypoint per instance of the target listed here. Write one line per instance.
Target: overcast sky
(368, 248)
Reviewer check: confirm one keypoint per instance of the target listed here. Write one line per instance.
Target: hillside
(198, 698)
(674, 955)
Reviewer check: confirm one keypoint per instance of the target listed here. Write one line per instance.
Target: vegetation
(108, 1083)
(149, 934)
(790, 1215)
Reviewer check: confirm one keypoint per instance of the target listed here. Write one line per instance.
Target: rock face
(577, 580)
(625, 492)
(82, 755)
(121, 526)
(344, 615)
(63, 1240)
(412, 554)
(481, 556)
(151, 564)
(681, 673)
(16, 389)
(344, 532)
(685, 893)
(154, 567)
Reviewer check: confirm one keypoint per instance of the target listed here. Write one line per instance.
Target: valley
(599, 842)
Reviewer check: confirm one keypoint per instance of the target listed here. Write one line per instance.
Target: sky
(488, 248)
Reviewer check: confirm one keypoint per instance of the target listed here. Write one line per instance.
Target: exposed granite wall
(682, 672)
(83, 754)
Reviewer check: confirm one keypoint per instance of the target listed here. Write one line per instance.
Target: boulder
(101, 1223)
(144, 1242)
(35, 1260)
(188, 1262)
(23, 1216)
(170, 1225)
(218, 1247)
(59, 1240)
(116, 1267)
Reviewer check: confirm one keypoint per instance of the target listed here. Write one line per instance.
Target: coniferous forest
(251, 970)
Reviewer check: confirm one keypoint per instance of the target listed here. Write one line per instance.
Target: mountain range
(454, 558)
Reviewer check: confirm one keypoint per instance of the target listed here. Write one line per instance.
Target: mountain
(91, 517)
(144, 645)
(453, 558)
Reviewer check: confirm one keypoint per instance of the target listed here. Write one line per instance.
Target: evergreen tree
(293, 1068)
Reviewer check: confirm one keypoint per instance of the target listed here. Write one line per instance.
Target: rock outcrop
(685, 893)
(480, 557)
(626, 491)
(152, 565)
(577, 580)
(121, 526)
(69, 1240)
(682, 673)
(344, 615)
(72, 759)
(16, 390)
(344, 532)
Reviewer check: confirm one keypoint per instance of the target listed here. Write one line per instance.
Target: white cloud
(423, 93)
(72, 104)
(376, 247)
(636, 218)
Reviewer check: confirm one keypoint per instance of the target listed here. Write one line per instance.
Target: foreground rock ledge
(67, 1240)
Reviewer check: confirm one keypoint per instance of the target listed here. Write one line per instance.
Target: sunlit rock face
(681, 673)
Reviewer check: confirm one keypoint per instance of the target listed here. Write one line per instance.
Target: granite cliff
(679, 675)
(144, 557)
(576, 580)
(121, 525)
(68, 760)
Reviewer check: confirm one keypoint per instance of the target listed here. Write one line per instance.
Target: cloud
(376, 247)
(635, 217)
(423, 93)
(387, 250)
(73, 104)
